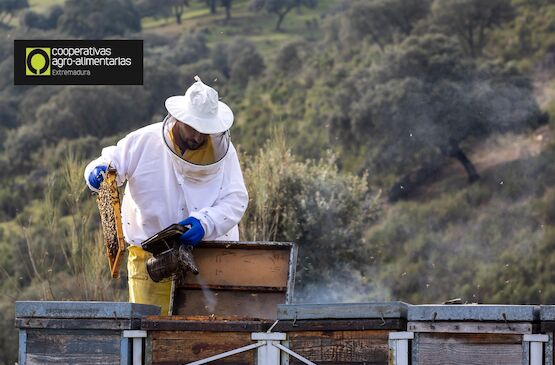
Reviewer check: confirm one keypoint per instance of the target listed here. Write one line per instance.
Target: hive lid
(87, 310)
(473, 312)
(547, 312)
(377, 310)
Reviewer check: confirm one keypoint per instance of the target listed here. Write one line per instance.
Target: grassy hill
(490, 241)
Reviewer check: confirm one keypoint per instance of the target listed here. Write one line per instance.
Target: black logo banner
(78, 62)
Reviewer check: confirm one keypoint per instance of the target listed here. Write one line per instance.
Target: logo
(37, 61)
(77, 62)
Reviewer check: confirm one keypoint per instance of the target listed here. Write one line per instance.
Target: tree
(382, 19)
(471, 20)
(162, 8)
(9, 7)
(190, 48)
(212, 5)
(281, 7)
(99, 18)
(288, 59)
(424, 100)
(238, 61)
(227, 5)
(177, 8)
(152, 8)
(45, 21)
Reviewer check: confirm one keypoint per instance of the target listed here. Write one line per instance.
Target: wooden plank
(471, 327)
(469, 349)
(291, 274)
(60, 342)
(525, 353)
(247, 245)
(254, 289)
(468, 338)
(547, 326)
(22, 360)
(148, 350)
(179, 347)
(227, 303)
(187, 323)
(376, 310)
(89, 310)
(72, 359)
(341, 325)
(261, 267)
(284, 357)
(548, 351)
(474, 312)
(63, 323)
(125, 351)
(341, 347)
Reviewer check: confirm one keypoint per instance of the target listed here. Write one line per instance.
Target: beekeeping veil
(200, 109)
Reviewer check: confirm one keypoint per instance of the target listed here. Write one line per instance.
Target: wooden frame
(114, 261)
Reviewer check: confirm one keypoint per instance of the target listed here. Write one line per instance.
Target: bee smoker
(170, 257)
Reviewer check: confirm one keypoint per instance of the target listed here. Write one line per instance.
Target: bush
(313, 204)
(96, 19)
(288, 59)
(239, 61)
(190, 48)
(31, 19)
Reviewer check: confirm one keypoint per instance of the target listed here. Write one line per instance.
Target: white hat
(201, 109)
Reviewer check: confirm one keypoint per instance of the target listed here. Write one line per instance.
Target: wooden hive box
(237, 292)
(344, 333)
(472, 334)
(77, 332)
(245, 279)
(176, 340)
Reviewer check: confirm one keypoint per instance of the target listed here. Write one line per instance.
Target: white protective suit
(163, 189)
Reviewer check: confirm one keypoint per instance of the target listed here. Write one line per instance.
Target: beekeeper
(183, 170)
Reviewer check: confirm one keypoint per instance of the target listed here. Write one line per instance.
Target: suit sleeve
(231, 204)
(122, 157)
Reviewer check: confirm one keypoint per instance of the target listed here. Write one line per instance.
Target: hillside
(331, 112)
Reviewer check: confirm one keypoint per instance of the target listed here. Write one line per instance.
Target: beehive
(77, 332)
(356, 333)
(472, 334)
(237, 292)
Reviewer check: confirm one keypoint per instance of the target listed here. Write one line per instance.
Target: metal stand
(399, 347)
(137, 337)
(536, 347)
(268, 350)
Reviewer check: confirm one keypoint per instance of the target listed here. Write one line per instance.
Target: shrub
(313, 204)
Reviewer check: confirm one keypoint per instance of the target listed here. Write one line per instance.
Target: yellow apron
(141, 287)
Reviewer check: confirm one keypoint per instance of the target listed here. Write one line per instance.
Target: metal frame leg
(399, 346)
(536, 347)
(268, 350)
(137, 337)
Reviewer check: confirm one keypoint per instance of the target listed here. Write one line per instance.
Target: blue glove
(97, 176)
(195, 233)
